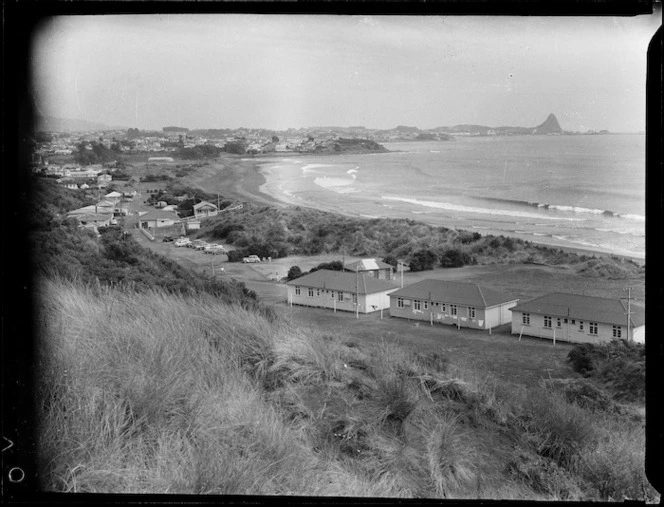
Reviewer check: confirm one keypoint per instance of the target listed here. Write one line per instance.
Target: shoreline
(248, 182)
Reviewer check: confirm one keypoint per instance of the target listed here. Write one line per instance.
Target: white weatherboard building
(460, 304)
(371, 267)
(338, 290)
(578, 319)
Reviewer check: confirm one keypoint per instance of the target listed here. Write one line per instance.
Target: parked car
(194, 243)
(214, 249)
(251, 258)
(167, 239)
(200, 246)
(182, 242)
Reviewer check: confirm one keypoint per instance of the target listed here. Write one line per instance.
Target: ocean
(573, 191)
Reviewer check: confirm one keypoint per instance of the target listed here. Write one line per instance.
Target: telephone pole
(629, 313)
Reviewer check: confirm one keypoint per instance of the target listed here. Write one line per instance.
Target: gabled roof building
(338, 290)
(578, 319)
(371, 267)
(461, 304)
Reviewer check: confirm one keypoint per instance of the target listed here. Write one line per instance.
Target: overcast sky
(281, 71)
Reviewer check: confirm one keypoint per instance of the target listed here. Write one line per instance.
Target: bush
(293, 273)
(423, 260)
(455, 258)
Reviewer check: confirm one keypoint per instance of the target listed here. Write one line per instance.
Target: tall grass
(163, 393)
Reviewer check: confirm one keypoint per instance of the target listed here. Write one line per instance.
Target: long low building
(578, 319)
(337, 290)
(460, 304)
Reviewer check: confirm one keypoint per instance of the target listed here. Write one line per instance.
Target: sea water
(585, 191)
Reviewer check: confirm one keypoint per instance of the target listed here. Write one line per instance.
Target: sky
(292, 71)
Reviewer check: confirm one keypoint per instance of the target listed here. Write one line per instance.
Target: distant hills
(52, 124)
(549, 126)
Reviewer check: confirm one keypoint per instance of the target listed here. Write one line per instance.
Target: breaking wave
(571, 209)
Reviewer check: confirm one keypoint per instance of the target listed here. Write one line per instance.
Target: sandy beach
(243, 178)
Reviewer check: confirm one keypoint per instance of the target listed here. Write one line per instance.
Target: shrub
(293, 273)
(423, 260)
(455, 258)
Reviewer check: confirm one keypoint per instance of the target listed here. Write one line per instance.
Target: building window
(471, 312)
(547, 321)
(417, 304)
(592, 327)
(332, 294)
(453, 309)
(340, 296)
(311, 292)
(354, 299)
(525, 319)
(580, 325)
(399, 302)
(426, 305)
(318, 292)
(297, 291)
(573, 321)
(443, 307)
(559, 322)
(617, 332)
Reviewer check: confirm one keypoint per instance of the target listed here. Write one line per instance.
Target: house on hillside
(94, 220)
(192, 224)
(114, 197)
(371, 267)
(338, 290)
(158, 218)
(460, 304)
(205, 209)
(578, 319)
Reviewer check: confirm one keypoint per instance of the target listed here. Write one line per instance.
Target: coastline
(243, 179)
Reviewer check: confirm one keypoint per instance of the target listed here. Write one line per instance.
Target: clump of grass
(162, 393)
(618, 366)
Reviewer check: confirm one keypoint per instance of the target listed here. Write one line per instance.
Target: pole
(521, 333)
(401, 266)
(554, 336)
(357, 297)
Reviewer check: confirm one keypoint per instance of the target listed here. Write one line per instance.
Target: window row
(317, 292)
(424, 305)
(593, 327)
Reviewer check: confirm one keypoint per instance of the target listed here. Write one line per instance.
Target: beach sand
(241, 178)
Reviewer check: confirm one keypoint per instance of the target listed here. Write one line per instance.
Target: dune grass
(163, 393)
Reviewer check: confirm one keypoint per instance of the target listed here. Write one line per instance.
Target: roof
(159, 214)
(204, 204)
(94, 217)
(113, 194)
(461, 293)
(588, 308)
(342, 281)
(367, 265)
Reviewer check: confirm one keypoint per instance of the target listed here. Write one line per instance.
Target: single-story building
(371, 267)
(460, 304)
(94, 219)
(338, 290)
(160, 159)
(578, 319)
(158, 218)
(205, 209)
(192, 224)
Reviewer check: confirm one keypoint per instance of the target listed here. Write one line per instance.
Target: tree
(293, 273)
(423, 260)
(275, 139)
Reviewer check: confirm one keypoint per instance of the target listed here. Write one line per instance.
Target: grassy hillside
(279, 232)
(158, 392)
